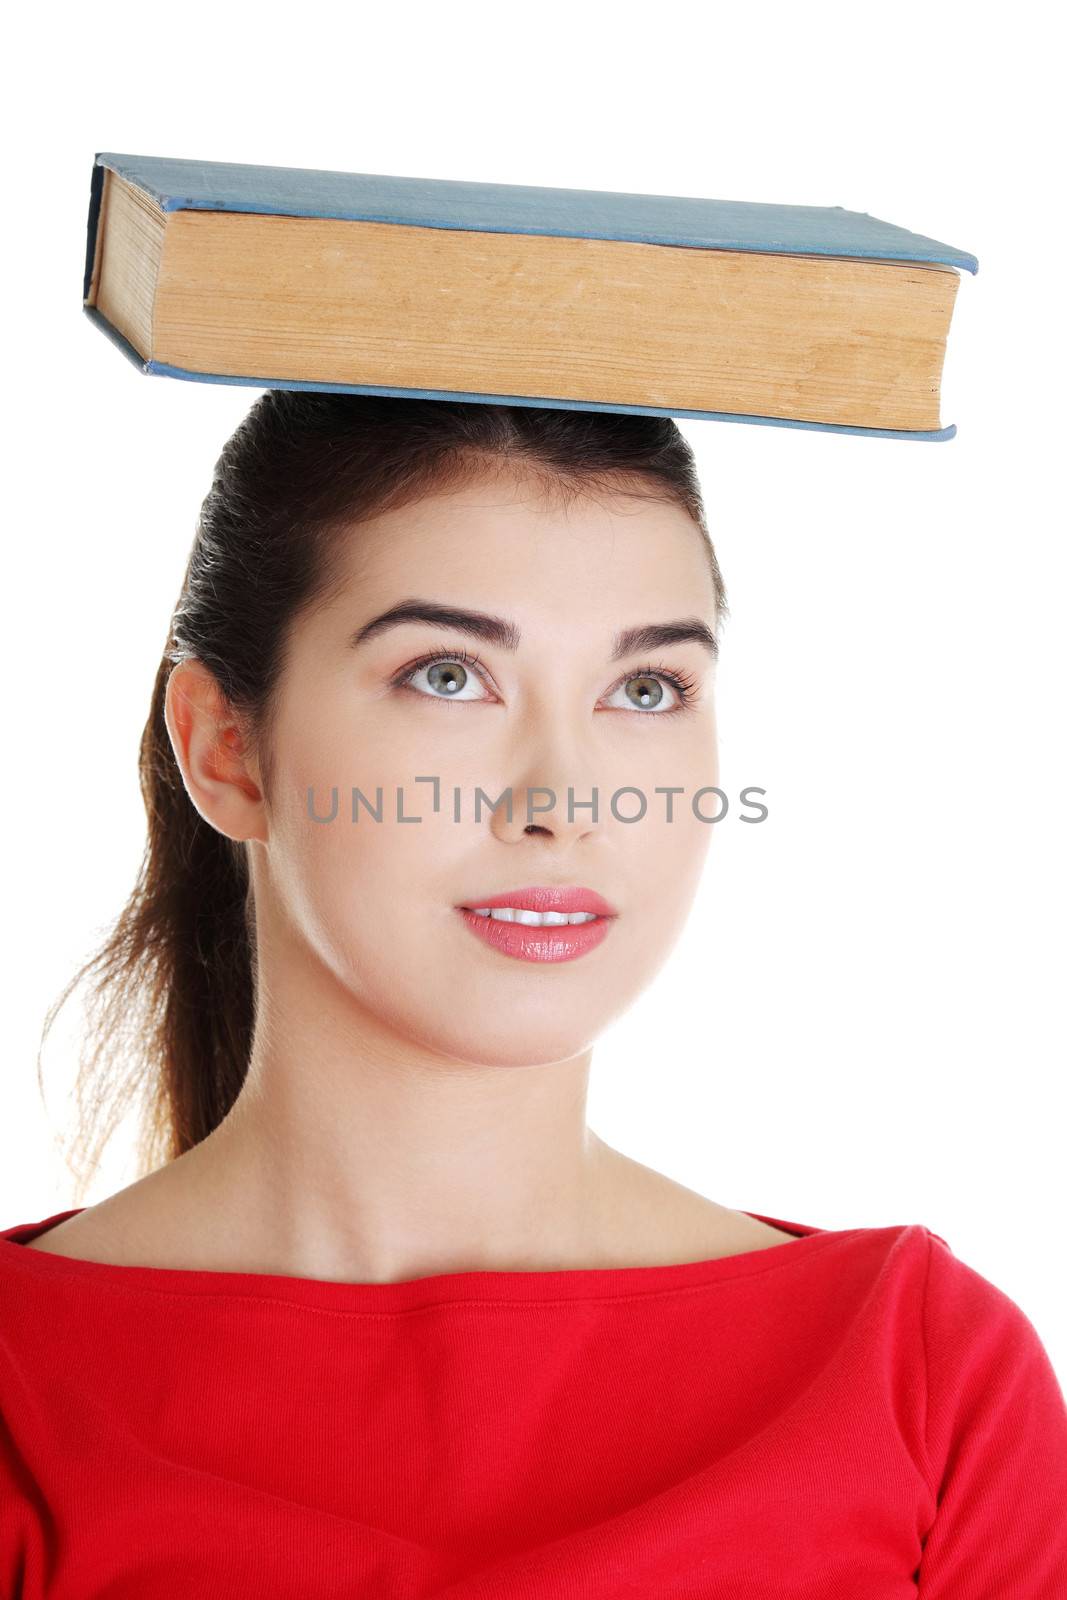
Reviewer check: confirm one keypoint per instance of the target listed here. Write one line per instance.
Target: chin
(517, 1040)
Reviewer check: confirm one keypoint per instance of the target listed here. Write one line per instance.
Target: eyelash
(682, 683)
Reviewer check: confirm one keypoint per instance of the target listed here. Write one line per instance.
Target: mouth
(551, 902)
(542, 923)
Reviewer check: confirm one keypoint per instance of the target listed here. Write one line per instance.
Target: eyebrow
(506, 636)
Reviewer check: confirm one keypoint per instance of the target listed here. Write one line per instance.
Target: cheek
(687, 766)
(367, 895)
(667, 858)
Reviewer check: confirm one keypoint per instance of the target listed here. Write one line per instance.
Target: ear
(220, 776)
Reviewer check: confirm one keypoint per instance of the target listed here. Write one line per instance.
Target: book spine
(96, 189)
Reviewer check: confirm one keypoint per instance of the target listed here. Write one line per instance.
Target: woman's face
(549, 706)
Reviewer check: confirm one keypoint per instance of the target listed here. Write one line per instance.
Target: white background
(863, 1024)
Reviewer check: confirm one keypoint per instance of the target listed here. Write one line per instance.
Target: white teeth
(533, 919)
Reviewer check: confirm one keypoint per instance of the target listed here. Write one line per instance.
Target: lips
(546, 897)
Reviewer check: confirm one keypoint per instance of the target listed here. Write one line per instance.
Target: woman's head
(275, 696)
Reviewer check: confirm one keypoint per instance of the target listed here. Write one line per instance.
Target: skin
(415, 1101)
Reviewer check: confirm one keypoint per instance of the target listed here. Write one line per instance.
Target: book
(738, 311)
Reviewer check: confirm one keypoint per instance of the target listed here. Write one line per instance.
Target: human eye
(643, 691)
(446, 676)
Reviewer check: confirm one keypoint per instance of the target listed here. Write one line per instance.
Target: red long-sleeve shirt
(855, 1414)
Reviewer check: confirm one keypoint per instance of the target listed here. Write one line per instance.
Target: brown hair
(173, 991)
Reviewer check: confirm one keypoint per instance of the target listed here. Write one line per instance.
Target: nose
(553, 794)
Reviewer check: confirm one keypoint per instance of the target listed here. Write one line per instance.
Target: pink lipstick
(535, 928)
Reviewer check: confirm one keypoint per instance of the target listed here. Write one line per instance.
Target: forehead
(511, 542)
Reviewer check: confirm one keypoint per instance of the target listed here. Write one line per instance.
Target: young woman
(383, 1316)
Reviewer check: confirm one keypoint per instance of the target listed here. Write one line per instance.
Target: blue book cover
(708, 224)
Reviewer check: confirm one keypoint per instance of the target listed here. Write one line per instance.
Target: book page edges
(129, 230)
(819, 339)
(162, 370)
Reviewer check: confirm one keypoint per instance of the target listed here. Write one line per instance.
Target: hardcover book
(741, 311)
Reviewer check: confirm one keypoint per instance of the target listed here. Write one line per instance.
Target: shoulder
(131, 1226)
(86, 1234)
(960, 1302)
(988, 1373)
(995, 1439)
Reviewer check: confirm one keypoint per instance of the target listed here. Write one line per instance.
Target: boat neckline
(482, 1284)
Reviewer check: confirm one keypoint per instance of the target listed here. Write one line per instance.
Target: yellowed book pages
(826, 339)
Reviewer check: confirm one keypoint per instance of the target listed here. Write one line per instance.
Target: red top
(854, 1414)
